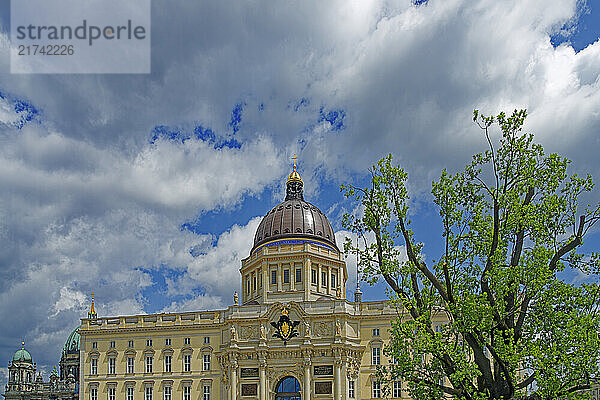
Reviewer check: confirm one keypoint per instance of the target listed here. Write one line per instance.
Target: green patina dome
(72, 344)
(22, 355)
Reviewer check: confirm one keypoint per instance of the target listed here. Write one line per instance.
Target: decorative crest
(285, 329)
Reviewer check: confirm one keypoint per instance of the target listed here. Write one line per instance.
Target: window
(129, 393)
(206, 392)
(167, 341)
(260, 280)
(351, 389)
(111, 393)
(93, 393)
(286, 276)
(376, 390)
(149, 342)
(187, 362)
(149, 364)
(313, 276)
(111, 365)
(375, 331)
(206, 362)
(94, 366)
(397, 389)
(438, 328)
(130, 343)
(130, 365)
(298, 275)
(274, 277)
(168, 363)
(333, 280)
(206, 339)
(376, 356)
(148, 393)
(324, 279)
(94, 345)
(187, 340)
(254, 283)
(248, 286)
(167, 393)
(187, 393)
(112, 344)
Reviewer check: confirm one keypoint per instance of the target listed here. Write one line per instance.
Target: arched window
(288, 389)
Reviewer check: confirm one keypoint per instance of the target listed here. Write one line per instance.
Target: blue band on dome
(293, 241)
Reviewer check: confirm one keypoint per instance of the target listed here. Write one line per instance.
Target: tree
(516, 327)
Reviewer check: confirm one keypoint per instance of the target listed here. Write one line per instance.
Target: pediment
(296, 312)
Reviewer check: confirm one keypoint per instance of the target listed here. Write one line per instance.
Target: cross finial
(294, 157)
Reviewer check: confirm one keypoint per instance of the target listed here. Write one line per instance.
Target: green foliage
(490, 318)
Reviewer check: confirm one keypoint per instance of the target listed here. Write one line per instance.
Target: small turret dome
(22, 355)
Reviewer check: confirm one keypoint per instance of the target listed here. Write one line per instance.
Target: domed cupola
(294, 219)
(22, 355)
(72, 343)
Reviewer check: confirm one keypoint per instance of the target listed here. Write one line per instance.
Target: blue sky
(147, 189)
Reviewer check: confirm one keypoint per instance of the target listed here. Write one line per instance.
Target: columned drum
(288, 389)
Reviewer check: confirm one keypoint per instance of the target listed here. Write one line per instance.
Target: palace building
(291, 335)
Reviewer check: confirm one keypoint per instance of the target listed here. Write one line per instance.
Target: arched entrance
(288, 388)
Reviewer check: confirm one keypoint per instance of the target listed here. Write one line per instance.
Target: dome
(72, 344)
(22, 355)
(295, 219)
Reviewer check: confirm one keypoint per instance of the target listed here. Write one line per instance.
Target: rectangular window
(187, 362)
(112, 344)
(93, 393)
(286, 276)
(130, 343)
(148, 393)
(351, 393)
(167, 393)
(313, 276)
(333, 280)
(438, 328)
(94, 345)
(187, 393)
(148, 364)
(273, 277)
(111, 365)
(376, 390)
(112, 393)
(168, 363)
(129, 393)
(187, 340)
(298, 275)
(206, 339)
(375, 331)
(323, 279)
(94, 366)
(397, 389)
(149, 342)
(254, 283)
(130, 365)
(206, 392)
(206, 362)
(248, 286)
(260, 280)
(376, 356)
(167, 341)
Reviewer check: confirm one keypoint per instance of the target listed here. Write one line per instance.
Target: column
(307, 278)
(279, 278)
(265, 281)
(233, 391)
(307, 379)
(319, 283)
(263, 381)
(338, 379)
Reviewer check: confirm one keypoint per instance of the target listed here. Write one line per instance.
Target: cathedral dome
(294, 219)
(22, 355)
(72, 343)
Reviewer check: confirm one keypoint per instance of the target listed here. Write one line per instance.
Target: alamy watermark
(80, 36)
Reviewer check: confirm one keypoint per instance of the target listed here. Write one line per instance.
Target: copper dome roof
(294, 218)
